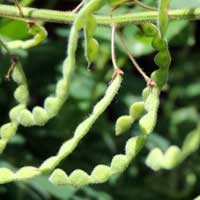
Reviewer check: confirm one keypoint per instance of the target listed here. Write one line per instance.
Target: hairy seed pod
(123, 124)
(59, 177)
(26, 173)
(119, 163)
(163, 16)
(6, 175)
(8, 130)
(150, 29)
(136, 110)
(100, 174)
(163, 59)
(79, 178)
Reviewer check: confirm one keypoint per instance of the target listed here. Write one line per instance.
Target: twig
(19, 8)
(142, 5)
(78, 7)
(117, 70)
(148, 80)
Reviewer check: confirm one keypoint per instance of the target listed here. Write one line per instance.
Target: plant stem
(67, 17)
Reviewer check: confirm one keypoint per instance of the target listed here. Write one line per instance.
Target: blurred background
(178, 113)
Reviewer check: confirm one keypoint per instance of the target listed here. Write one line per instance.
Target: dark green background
(178, 113)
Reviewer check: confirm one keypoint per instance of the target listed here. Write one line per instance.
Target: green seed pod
(8, 130)
(131, 147)
(150, 29)
(92, 50)
(3, 143)
(67, 147)
(119, 163)
(160, 76)
(40, 116)
(14, 112)
(172, 157)
(21, 94)
(79, 178)
(100, 174)
(90, 26)
(155, 159)
(27, 173)
(61, 87)
(145, 93)
(25, 118)
(59, 177)
(52, 105)
(163, 59)
(6, 175)
(163, 16)
(18, 75)
(48, 164)
(136, 110)
(147, 123)
(123, 124)
(159, 43)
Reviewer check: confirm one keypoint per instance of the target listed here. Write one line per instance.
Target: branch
(67, 17)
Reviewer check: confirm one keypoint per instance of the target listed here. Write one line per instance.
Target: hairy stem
(66, 17)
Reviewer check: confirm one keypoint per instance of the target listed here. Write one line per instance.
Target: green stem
(66, 17)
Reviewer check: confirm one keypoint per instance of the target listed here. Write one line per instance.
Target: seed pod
(160, 76)
(171, 157)
(155, 159)
(6, 175)
(8, 130)
(27, 173)
(25, 118)
(51, 106)
(158, 43)
(163, 59)
(91, 45)
(21, 94)
(100, 174)
(79, 178)
(163, 16)
(150, 29)
(40, 116)
(59, 177)
(119, 163)
(136, 110)
(123, 124)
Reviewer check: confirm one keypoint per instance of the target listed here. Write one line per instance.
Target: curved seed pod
(53, 103)
(39, 34)
(101, 173)
(123, 124)
(21, 95)
(162, 58)
(91, 45)
(148, 121)
(173, 156)
(78, 177)
(119, 163)
(24, 173)
(163, 16)
(83, 127)
(150, 29)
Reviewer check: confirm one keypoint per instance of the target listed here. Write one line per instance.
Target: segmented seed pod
(91, 44)
(21, 94)
(173, 156)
